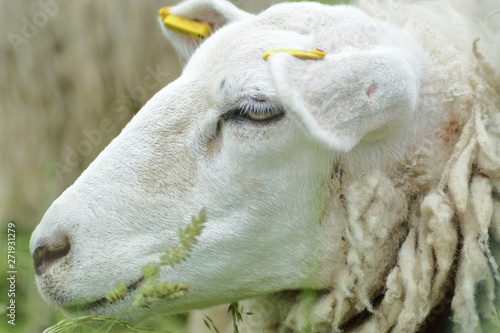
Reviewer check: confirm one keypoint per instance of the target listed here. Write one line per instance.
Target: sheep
(358, 192)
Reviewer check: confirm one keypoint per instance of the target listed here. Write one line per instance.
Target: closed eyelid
(255, 104)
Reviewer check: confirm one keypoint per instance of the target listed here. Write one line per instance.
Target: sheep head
(287, 156)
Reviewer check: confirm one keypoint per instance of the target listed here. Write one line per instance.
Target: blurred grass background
(65, 66)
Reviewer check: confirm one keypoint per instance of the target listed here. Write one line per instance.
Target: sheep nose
(47, 254)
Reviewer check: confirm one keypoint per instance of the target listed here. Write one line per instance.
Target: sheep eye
(257, 111)
(261, 115)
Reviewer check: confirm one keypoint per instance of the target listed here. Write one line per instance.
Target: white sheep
(357, 192)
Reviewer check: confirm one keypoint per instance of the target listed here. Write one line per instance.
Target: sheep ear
(348, 98)
(215, 13)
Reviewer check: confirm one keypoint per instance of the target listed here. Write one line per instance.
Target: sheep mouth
(102, 302)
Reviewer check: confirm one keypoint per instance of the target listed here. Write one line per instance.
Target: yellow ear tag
(184, 25)
(314, 54)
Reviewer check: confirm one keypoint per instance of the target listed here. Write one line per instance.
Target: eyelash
(256, 110)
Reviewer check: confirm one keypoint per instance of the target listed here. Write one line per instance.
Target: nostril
(45, 255)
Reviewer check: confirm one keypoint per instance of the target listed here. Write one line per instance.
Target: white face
(262, 176)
